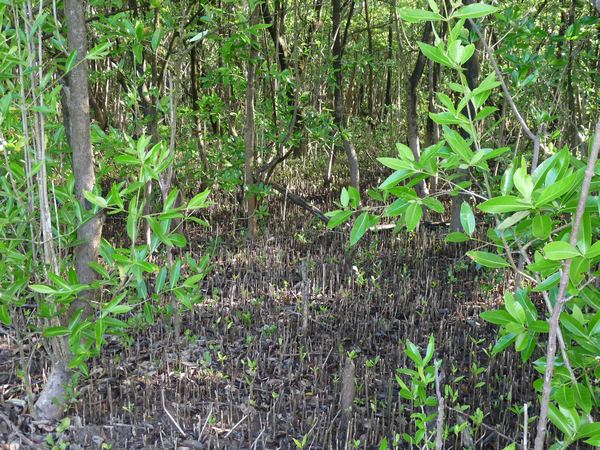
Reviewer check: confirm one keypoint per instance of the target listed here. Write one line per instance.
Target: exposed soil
(245, 376)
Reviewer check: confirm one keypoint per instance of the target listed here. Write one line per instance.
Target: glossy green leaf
(467, 218)
(413, 15)
(541, 226)
(339, 218)
(457, 237)
(56, 331)
(513, 220)
(558, 250)
(414, 212)
(503, 204)
(360, 227)
(395, 163)
(559, 188)
(474, 11)
(487, 259)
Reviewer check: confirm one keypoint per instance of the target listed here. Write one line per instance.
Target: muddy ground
(247, 375)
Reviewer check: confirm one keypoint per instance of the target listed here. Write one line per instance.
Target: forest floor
(245, 375)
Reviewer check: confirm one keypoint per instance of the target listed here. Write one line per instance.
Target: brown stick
(560, 299)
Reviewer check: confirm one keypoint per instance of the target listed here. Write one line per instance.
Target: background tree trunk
(249, 137)
(337, 52)
(411, 110)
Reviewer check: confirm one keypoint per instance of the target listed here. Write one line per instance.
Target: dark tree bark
(50, 404)
(411, 110)
(472, 76)
(249, 138)
(387, 101)
(337, 52)
(277, 33)
(370, 50)
(195, 108)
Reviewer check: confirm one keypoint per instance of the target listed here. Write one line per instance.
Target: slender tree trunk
(370, 72)
(387, 101)
(338, 97)
(195, 108)
(50, 404)
(411, 110)
(249, 137)
(472, 75)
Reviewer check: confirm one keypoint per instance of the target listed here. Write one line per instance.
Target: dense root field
(246, 374)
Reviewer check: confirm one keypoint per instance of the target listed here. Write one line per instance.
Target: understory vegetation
(349, 224)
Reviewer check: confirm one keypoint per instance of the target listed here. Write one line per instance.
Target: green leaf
(414, 212)
(344, 197)
(413, 353)
(178, 239)
(514, 308)
(42, 289)
(404, 152)
(360, 227)
(398, 207)
(71, 60)
(95, 199)
(127, 160)
(548, 283)
(558, 250)
(435, 54)
(458, 144)
(395, 178)
(132, 220)
(523, 181)
(199, 200)
(413, 15)
(503, 204)
(354, 196)
(467, 218)
(395, 163)
(174, 274)
(559, 420)
(559, 188)
(56, 331)
(5, 315)
(487, 259)
(541, 226)
(474, 11)
(457, 237)
(512, 220)
(498, 317)
(485, 111)
(338, 218)
(593, 251)
(503, 342)
(434, 204)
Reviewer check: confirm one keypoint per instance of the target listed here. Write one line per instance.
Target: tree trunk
(387, 101)
(249, 137)
(338, 97)
(472, 75)
(50, 404)
(195, 108)
(411, 110)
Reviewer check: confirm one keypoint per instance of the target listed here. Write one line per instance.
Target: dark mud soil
(245, 375)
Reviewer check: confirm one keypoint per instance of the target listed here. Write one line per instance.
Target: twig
(525, 424)
(236, 425)
(16, 431)
(439, 423)
(560, 299)
(162, 396)
(487, 427)
(205, 422)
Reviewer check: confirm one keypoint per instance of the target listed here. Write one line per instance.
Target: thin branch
(561, 299)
